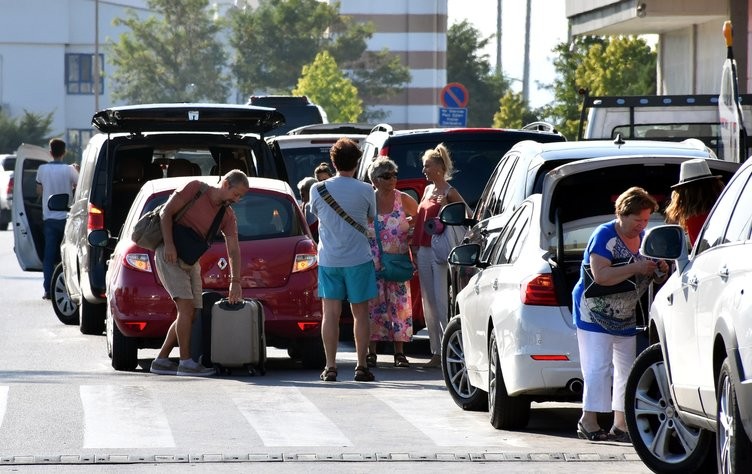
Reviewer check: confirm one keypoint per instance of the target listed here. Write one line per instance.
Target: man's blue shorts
(355, 284)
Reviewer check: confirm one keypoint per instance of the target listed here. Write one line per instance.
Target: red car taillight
(9, 191)
(384, 151)
(96, 218)
(138, 261)
(305, 256)
(539, 290)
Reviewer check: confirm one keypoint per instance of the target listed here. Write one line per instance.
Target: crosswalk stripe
(442, 421)
(123, 417)
(3, 401)
(282, 416)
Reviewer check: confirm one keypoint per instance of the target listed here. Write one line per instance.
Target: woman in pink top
(693, 197)
(437, 168)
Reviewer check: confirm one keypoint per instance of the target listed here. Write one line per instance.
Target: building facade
(416, 31)
(47, 51)
(691, 47)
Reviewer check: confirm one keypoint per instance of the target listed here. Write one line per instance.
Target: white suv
(696, 379)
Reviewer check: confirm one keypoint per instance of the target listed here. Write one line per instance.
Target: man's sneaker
(164, 367)
(46, 296)
(193, 368)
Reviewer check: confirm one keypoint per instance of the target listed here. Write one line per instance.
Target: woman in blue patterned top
(606, 323)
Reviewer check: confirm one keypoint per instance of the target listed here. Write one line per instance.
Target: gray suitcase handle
(225, 304)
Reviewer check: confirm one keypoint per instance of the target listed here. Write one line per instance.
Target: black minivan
(298, 110)
(136, 144)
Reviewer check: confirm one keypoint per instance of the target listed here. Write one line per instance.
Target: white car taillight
(138, 261)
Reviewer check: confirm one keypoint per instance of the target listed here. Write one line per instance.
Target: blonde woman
(437, 168)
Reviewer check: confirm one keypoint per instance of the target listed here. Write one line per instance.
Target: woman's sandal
(618, 435)
(400, 360)
(329, 374)
(362, 374)
(371, 359)
(599, 435)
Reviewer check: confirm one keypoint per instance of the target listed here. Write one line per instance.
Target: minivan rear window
(474, 161)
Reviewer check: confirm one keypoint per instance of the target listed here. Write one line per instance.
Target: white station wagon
(512, 341)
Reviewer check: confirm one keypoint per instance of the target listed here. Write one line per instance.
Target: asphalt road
(63, 407)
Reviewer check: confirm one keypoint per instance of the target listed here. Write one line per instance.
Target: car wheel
(312, 353)
(91, 317)
(733, 448)
(453, 366)
(65, 308)
(662, 440)
(124, 350)
(507, 413)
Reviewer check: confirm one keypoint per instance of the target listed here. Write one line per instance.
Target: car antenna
(619, 140)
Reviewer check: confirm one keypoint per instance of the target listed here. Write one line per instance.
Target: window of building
(76, 140)
(79, 73)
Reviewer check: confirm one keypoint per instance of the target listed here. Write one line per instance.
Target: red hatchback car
(278, 268)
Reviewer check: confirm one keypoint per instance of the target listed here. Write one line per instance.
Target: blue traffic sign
(452, 117)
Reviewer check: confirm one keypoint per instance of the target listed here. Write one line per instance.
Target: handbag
(189, 244)
(443, 243)
(394, 266)
(594, 290)
(147, 232)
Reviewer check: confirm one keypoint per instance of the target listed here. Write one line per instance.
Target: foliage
(511, 111)
(326, 85)
(302, 29)
(466, 66)
(173, 58)
(604, 66)
(29, 128)
(625, 65)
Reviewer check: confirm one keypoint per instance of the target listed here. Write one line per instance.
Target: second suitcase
(237, 335)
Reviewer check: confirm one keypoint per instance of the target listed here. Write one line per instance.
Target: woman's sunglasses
(388, 175)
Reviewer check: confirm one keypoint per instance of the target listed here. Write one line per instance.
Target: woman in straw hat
(693, 197)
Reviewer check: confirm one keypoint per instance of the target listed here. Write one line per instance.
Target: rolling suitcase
(237, 336)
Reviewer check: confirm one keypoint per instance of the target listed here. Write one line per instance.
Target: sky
(548, 27)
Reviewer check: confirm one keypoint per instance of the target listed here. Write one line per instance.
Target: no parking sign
(454, 95)
(454, 98)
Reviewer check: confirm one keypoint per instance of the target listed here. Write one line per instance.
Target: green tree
(302, 29)
(327, 86)
(467, 66)
(175, 57)
(29, 128)
(602, 65)
(511, 113)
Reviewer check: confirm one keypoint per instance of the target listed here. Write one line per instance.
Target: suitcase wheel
(221, 370)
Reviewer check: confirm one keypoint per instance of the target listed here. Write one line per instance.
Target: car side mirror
(99, 238)
(665, 242)
(455, 214)
(465, 255)
(58, 202)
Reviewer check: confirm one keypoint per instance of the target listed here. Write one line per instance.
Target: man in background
(54, 177)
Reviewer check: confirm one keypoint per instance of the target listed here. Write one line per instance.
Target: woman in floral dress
(391, 310)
